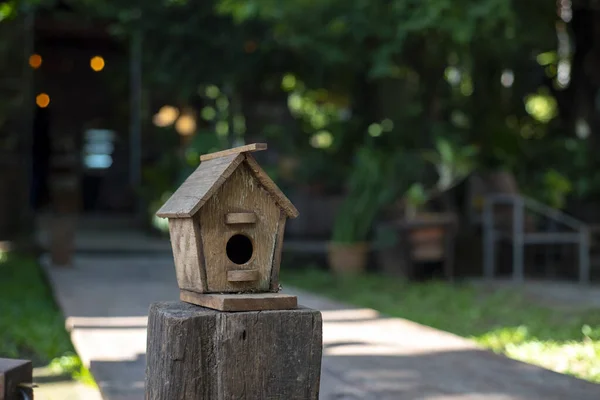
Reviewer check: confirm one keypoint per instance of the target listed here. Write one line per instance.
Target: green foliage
(505, 321)
(575, 160)
(416, 196)
(202, 143)
(557, 187)
(318, 169)
(7, 10)
(31, 326)
(339, 32)
(163, 177)
(427, 68)
(371, 186)
(70, 364)
(452, 164)
(157, 184)
(30, 323)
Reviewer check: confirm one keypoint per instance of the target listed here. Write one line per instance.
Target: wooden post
(65, 198)
(15, 376)
(226, 223)
(198, 353)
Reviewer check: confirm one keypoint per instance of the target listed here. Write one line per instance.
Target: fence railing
(513, 229)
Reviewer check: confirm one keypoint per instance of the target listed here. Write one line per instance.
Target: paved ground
(52, 387)
(564, 295)
(366, 356)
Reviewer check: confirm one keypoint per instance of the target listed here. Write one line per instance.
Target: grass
(31, 326)
(504, 321)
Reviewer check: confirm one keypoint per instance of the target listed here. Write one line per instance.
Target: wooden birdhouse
(226, 223)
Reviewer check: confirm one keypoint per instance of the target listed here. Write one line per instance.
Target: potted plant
(370, 187)
(421, 235)
(427, 230)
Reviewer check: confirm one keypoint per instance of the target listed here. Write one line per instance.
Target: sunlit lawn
(502, 320)
(31, 326)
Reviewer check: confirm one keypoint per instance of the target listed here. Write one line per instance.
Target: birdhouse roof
(213, 171)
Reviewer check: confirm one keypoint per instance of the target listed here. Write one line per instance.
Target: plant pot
(347, 258)
(427, 236)
(427, 243)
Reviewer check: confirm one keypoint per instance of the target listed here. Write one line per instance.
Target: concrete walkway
(53, 387)
(105, 300)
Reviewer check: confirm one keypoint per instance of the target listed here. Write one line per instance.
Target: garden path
(105, 299)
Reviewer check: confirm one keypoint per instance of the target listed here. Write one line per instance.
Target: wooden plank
(216, 234)
(240, 218)
(271, 187)
(235, 150)
(277, 253)
(187, 253)
(12, 374)
(199, 187)
(243, 275)
(241, 302)
(197, 353)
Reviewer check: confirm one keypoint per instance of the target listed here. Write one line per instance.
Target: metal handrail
(520, 237)
(540, 208)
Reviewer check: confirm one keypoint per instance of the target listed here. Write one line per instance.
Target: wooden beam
(199, 187)
(241, 302)
(271, 187)
(15, 375)
(240, 218)
(277, 252)
(242, 275)
(197, 353)
(236, 150)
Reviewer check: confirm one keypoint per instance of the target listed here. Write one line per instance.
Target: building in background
(65, 119)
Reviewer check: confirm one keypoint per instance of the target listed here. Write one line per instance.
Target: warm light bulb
(185, 125)
(97, 63)
(35, 61)
(42, 100)
(165, 116)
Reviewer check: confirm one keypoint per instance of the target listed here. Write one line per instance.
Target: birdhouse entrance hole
(239, 249)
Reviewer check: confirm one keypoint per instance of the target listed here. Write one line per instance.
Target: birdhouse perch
(226, 223)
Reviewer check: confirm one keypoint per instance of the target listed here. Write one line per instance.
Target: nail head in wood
(236, 150)
(242, 275)
(240, 218)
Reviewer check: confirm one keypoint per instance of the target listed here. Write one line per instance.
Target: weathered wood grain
(12, 374)
(198, 354)
(242, 275)
(240, 218)
(235, 150)
(199, 187)
(277, 254)
(271, 187)
(242, 301)
(209, 177)
(241, 193)
(187, 253)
